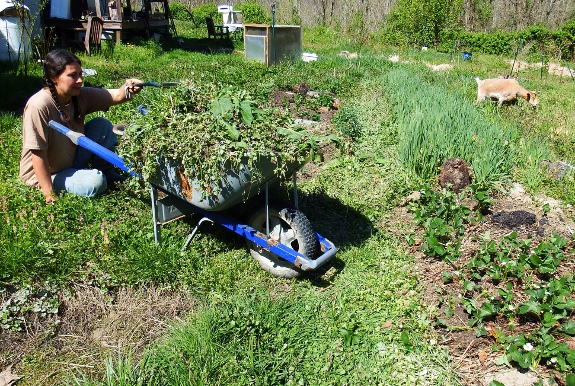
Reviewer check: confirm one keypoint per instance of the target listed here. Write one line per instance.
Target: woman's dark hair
(54, 65)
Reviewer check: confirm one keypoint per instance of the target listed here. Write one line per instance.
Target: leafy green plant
(443, 219)
(347, 122)
(550, 302)
(41, 301)
(209, 135)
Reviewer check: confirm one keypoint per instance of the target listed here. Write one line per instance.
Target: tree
(425, 19)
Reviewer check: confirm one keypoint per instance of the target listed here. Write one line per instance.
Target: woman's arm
(125, 92)
(41, 169)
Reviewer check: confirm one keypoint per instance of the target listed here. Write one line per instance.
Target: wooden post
(98, 9)
(119, 10)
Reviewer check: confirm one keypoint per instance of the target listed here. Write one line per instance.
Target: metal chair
(93, 33)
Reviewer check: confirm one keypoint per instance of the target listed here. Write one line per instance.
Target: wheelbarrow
(278, 235)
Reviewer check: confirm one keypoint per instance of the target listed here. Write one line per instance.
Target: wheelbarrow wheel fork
(287, 226)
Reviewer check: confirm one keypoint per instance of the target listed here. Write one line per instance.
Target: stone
(513, 378)
(455, 172)
(301, 88)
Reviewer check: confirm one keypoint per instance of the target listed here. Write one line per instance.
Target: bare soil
(92, 326)
(287, 98)
(516, 212)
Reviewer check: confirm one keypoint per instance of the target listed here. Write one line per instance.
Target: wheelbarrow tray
(235, 186)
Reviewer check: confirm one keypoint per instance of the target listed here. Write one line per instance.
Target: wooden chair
(93, 33)
(216, 30)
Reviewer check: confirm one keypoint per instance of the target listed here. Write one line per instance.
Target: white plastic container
(308, 57)
(60, 9)
(14, 33)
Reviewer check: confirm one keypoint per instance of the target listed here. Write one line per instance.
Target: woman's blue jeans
(88, 182)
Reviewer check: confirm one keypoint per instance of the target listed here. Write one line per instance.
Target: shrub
(497, 43)
(180, 12)
(254, 13)
(560, 43)
(201, 12)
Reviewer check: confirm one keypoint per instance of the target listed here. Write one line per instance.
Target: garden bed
(445, 286)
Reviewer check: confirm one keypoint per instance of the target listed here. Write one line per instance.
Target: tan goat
(504, 90)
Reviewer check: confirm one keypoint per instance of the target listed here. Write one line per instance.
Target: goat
(504, 90)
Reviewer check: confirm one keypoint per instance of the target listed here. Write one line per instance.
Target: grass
(248, 327)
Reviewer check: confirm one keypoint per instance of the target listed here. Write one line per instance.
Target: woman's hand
(126, 91)
(130, 89)
(41, 169)
(50, 198)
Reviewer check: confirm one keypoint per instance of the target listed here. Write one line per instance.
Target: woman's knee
(95, 184)
(100, 130)
(83, 182)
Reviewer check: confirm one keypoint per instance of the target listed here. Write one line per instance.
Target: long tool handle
(85, 142)
(149, 83)
(154, 84)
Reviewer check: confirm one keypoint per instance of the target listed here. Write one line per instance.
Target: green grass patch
(436, 125)
(331, 323)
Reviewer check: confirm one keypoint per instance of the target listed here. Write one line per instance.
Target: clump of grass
(347, 122)
(289, 340)
(436, 125)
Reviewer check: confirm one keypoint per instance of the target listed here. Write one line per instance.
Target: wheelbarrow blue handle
(85, 142)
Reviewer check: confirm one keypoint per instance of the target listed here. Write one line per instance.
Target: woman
(49, 159)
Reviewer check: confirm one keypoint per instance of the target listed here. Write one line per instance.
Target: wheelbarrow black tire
(291, 228)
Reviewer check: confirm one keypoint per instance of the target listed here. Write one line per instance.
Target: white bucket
(14, 36)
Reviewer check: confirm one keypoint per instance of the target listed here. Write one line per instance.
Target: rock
(347, 54)
(571, 343)
(301, 88)
(455, 172)
(513, 378)
(471, 204)
(414, 196)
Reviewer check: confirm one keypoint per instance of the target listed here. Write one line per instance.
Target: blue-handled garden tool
(128, 90)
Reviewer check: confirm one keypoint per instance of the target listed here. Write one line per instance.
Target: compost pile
(210, 131)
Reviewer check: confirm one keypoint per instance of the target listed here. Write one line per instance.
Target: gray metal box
(271, 45)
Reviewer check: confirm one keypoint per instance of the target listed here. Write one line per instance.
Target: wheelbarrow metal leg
(267, 213)
(191, 235)
(157, 226)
